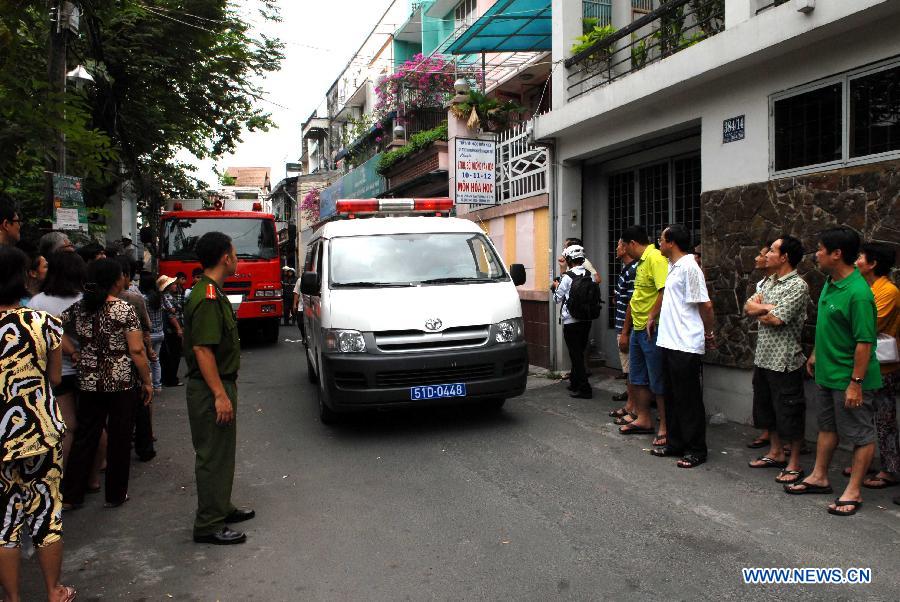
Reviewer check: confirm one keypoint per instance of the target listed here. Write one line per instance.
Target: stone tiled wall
(737, 221)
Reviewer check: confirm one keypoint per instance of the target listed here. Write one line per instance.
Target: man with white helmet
(575, 332)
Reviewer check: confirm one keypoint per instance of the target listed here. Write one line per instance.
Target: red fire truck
(255, 289)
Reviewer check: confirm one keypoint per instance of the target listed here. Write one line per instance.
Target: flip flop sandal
(808, 488)
(839, 502)
(660, 441)
(626, 419)
(797, 474)
(71, 593)
(664, 452)
(758, 443)
(691, 461)
(767, 462)
(618, 413)
(636, 430)
(883, 483)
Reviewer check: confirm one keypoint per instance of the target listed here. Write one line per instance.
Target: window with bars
(464, 13)
(621, 215)
(687, 195)
(875, 113)
(848, 119)
(658, 195)
(808, 128)
(654, 199)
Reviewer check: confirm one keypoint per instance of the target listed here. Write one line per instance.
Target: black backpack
(584, 302)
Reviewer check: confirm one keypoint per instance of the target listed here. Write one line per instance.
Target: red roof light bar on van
(351, 207)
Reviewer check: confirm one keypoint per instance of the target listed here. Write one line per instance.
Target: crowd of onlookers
(665, 322)
(87, 340)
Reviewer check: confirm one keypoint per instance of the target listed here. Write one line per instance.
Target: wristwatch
(857, 380)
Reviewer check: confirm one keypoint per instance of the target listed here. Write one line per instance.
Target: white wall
(743, 91)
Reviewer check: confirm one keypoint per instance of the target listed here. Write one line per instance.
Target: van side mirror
(517, 271)
(310, 283)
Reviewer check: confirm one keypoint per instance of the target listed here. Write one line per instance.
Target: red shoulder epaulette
(210, 291)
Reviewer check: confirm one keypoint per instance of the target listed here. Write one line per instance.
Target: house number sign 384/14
(733, 129)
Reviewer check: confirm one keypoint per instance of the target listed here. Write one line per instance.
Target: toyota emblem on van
(433, 324)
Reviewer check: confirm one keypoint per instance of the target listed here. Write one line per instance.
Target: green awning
(508, 26)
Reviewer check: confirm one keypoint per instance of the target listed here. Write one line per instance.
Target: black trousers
(685, 412)
(577, 336)
(143, 429)
(170, 359)
(115, 411)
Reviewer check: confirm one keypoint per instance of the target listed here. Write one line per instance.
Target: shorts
(625, 361)
(68, 385)
(645, 362)
(31, 496)
(856, 426)
(779, 402)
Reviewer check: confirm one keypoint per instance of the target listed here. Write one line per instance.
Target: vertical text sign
(475, 171)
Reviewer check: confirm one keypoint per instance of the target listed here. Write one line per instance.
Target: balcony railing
(669, 29)
(522, 168)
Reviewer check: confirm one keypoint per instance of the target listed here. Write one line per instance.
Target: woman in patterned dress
(110, 359)
(31, 431)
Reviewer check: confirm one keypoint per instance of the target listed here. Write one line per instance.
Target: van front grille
(400, 341)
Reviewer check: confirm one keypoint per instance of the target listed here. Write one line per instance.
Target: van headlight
(345, 341)
(509, 331)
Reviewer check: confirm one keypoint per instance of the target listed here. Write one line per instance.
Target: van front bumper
(360, 381)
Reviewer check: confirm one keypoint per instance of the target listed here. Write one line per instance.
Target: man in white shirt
(686, 324)
(576, 332)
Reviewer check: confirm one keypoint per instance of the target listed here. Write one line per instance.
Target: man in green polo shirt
(845, 368)
(213, 353)
(638, 336)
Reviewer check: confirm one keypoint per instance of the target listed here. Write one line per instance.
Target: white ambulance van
(404, 306)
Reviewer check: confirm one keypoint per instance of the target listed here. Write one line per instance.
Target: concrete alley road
(541, 501)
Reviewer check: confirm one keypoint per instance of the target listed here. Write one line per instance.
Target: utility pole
(56, 72)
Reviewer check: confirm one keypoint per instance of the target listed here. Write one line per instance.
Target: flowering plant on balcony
(421, 82)
(309, 205)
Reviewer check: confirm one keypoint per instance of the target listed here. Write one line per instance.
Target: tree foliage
(169, 75)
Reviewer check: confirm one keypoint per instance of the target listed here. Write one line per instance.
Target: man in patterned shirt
(779, 403)
(623, 290)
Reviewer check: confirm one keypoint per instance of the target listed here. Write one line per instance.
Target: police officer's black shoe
(240, 515)
(224, 537)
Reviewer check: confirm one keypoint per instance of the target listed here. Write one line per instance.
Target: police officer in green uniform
(213, 353)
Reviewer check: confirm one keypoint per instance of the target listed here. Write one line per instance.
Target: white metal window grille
(849, 119)
(521, 168)
(464, 13)
(621, 215)
(687, 195)
(654, 199)
(658, 194)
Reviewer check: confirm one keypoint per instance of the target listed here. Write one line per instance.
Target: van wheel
(310, 371)
(494, 405)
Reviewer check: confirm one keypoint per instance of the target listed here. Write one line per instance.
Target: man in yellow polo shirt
(638, 335)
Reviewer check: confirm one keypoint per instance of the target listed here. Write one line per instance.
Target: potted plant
(485, 112)
(594, 33)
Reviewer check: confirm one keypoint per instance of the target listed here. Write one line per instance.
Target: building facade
(743, 119)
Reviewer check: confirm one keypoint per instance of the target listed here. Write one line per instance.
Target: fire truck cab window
(252, 238)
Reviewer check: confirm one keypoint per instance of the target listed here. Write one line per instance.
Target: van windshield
(413, 259)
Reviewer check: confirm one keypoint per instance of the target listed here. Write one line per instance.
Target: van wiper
(452, 279)
(371, 284)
